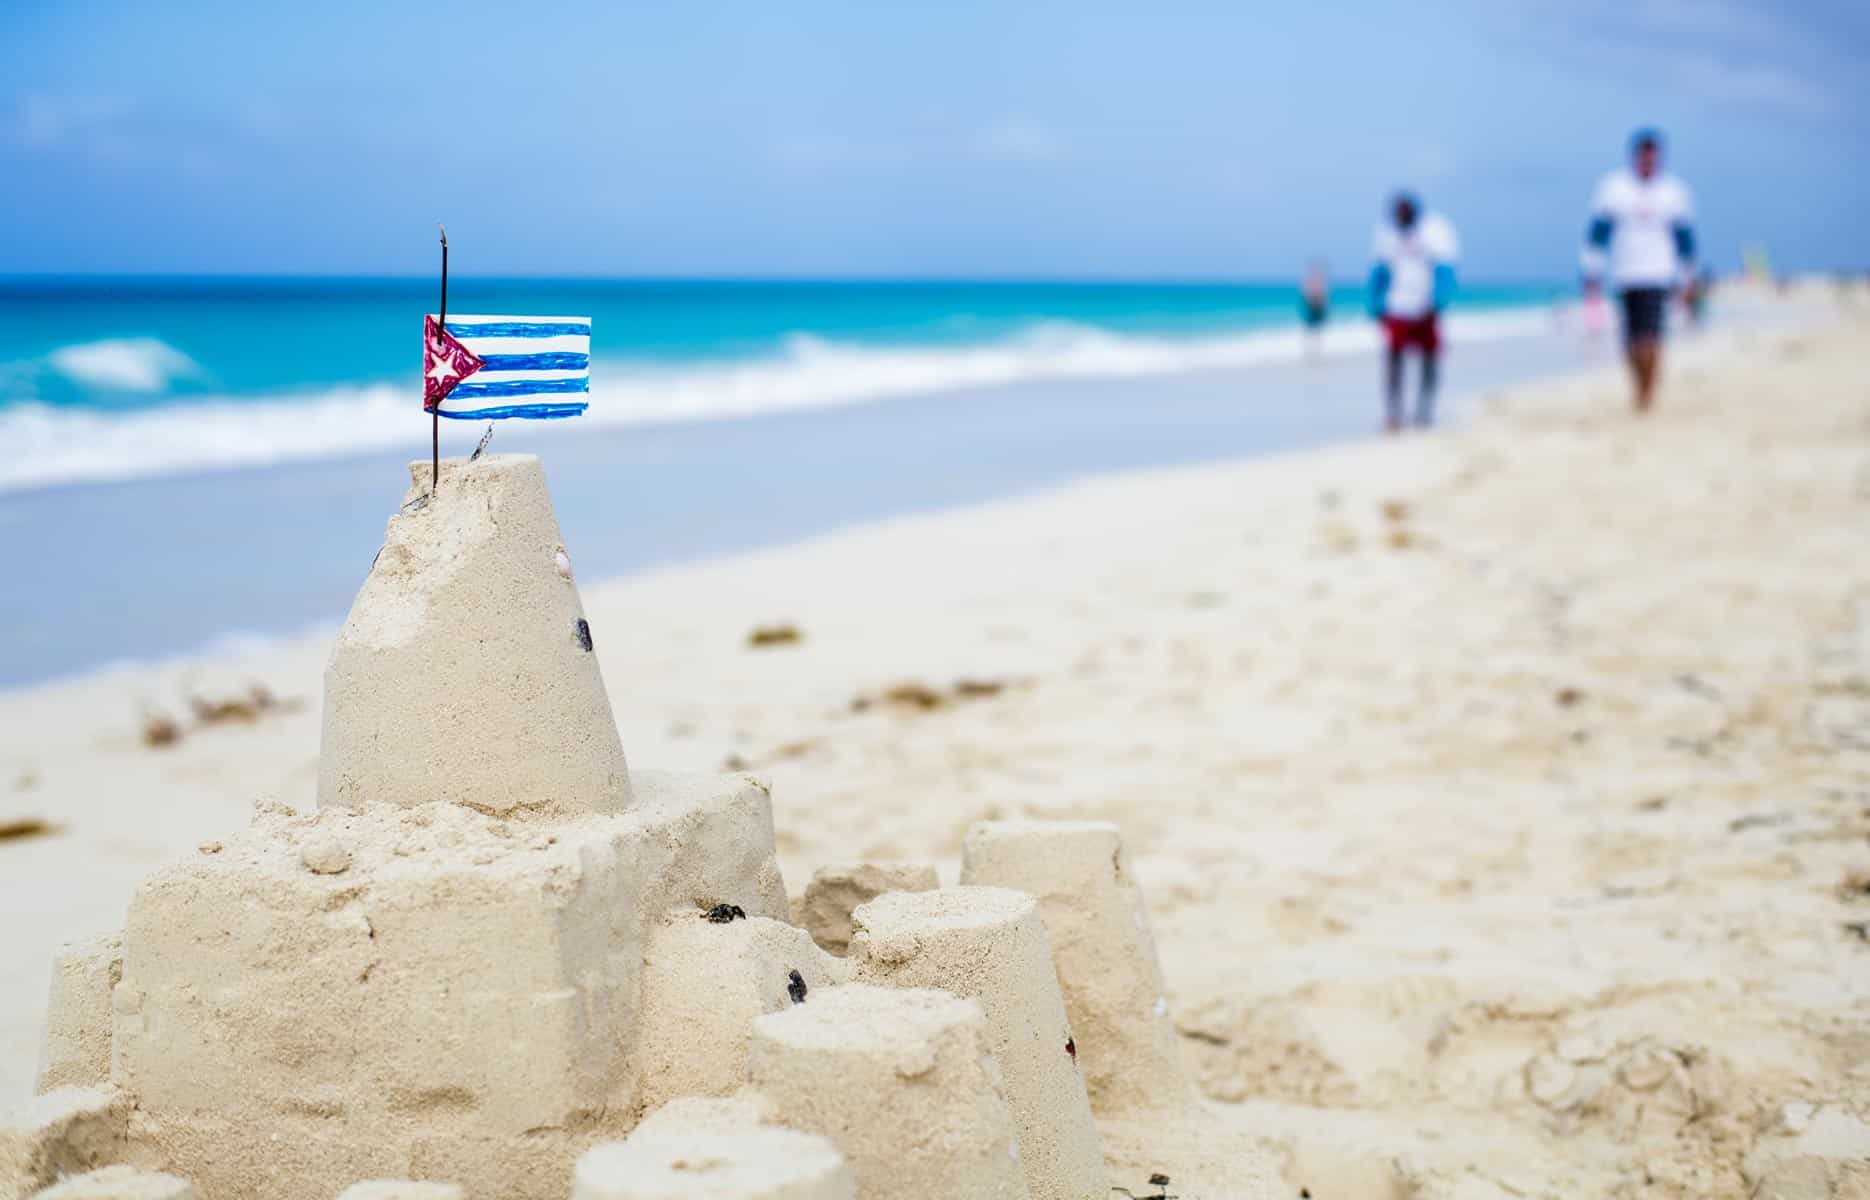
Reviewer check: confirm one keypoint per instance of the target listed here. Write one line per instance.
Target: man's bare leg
(1393, 392)
(1425, 399)
(1644, 357)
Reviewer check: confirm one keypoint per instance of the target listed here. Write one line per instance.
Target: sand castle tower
(493, 950)
(465, 672)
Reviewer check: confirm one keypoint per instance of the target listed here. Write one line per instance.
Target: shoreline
(1468, 777)
(282, 558)
(118, 408)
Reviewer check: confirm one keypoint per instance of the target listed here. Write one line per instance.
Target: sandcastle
(494, 949)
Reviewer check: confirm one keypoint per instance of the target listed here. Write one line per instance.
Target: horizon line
(10, 277)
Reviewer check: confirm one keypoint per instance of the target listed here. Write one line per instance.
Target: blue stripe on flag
(520, 329)
(518, 387)
(535, 362)
(536, 411)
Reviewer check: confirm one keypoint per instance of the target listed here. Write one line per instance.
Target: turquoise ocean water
(106, 379)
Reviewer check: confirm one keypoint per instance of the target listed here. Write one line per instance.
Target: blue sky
(1079, 139)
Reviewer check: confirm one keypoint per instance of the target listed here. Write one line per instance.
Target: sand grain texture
(713, 1149)
(123, 1183)
(400, 1189)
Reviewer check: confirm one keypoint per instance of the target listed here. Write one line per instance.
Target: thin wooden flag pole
(435, 413)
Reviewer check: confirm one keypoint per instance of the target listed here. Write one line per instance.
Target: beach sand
(1501, 798)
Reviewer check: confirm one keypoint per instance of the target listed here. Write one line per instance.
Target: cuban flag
(485, 368)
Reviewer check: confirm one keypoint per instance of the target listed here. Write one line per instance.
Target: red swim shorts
(1413, 333)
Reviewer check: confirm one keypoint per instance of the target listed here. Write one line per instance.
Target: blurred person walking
(1642, 237)
(1700, 288)
(1411, 281)
(1314, 303)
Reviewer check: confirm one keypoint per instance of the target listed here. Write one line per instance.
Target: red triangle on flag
(445, 362)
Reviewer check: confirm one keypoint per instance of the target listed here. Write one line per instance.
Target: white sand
(1502, 844)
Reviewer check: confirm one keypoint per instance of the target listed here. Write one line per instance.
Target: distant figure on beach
(1411, 281)
(1695, 299)
(1315, 301)
(1595, 314)
(1642, 236)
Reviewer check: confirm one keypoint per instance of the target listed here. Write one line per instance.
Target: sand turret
(465, 672)
(76, 1047)
(989, 944)
(903, 1084)
(1098, 927)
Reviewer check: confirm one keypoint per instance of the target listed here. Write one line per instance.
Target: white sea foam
(125, 364)
(46, 445)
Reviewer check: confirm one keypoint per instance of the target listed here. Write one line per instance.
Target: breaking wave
(123, 364)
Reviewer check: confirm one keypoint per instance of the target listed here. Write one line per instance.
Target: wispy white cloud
(1736, 52)
(1017, 139)
(1739, 54)
(44, 122)
(1749, 84)
(1714, 19)
(1012, 140)
(110, 132)
(1428, 163)
(831, 152)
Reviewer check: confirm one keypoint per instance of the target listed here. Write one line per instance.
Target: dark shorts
(1314, 314)
(1413, 333)
(1644, 310)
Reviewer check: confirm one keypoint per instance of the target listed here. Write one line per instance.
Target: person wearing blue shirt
(1411, 282)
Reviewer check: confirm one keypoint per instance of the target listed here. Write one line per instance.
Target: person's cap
(1646, 138)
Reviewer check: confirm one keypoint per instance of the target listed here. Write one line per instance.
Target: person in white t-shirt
(1411, 281)
(1642, 238)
